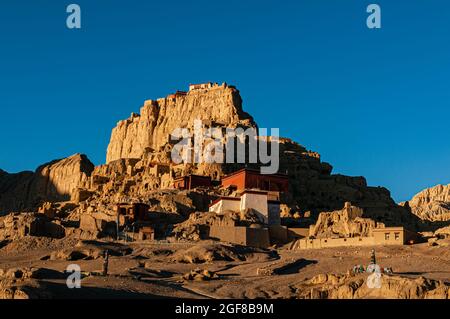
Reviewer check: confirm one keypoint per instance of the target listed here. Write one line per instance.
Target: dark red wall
(252, 179)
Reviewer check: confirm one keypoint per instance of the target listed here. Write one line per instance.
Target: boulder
(90, 224)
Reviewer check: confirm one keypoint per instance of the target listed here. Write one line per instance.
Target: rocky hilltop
(139, 168)
(54, 181)
(432, 204)
(150, 130)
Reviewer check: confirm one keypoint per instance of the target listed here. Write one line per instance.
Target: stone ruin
(347, 222)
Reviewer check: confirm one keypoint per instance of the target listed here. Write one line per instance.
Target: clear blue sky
(373, 102)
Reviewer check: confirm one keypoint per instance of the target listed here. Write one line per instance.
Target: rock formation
(51, 182)
(347, 222)
(432, 204)
(151, 129)
(331, 286)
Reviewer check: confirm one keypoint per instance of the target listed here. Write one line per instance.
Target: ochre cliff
(221, 104)
(432, 204)
(53, 181)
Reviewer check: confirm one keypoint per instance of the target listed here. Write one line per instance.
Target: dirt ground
(155, 269)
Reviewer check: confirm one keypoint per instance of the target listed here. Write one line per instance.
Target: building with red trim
(253, 179)
(258, 201)
(192, 181)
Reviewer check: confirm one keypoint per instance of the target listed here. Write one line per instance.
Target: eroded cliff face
(59, 178)
(432, 204)
(54, 181)
(221, 104)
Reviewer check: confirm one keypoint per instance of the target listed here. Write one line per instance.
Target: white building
(202, 86)
(225, 203)
(267, 210)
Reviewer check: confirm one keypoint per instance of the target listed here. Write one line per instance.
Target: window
(386, 236)
(397, 236)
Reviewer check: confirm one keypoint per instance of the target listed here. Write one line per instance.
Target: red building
(192, 181)
(253, 179)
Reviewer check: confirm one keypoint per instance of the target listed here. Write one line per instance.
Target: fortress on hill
(158, 198)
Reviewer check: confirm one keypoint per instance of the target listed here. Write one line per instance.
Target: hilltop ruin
(139, 170)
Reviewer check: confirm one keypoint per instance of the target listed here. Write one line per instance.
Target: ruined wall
(253, 237)
(230, 234)
(257, 237)
(278, 234)
(347, 222)
(334, 242)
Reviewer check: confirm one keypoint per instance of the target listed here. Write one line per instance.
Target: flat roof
(253, 191)
(251, 170)
(224, 198)
(399, 228)
(192, 175)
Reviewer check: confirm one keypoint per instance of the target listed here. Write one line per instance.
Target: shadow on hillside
(60, 291)
(294, 267)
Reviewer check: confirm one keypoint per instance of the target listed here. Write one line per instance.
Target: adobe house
(192, 181)
(379, 236)
(158, 169)
(201, 86)
(145, 225)
(130, 213)
(256, 235)
(394, 236)
(253, 179)
(146, 233)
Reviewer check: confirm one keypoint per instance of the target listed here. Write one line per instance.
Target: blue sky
(372, 102)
